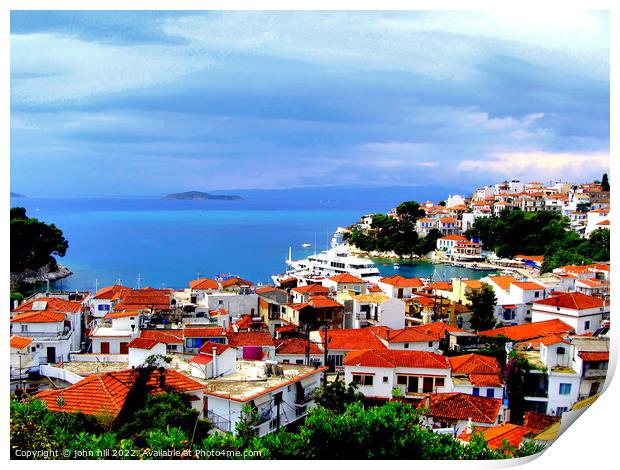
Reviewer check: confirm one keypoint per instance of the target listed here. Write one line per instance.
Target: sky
(107, 103)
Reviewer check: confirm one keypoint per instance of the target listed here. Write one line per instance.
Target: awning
(509, 306)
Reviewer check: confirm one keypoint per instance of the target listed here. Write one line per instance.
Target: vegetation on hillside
(397, 235)
(540, 233)
(34, 242)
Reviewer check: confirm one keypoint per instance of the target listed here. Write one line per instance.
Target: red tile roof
(372, 288)
(142, 299)
(538, 421)
(355, 339)
(485, 380)
(391, 358)
(20, 342)
(474, 364)
(249, 338)
(204, 284)
(472, 283)
(455, 237)
(346, 278)
(320, 301)
(108, 293)
(530, 330)
(496, 435)
(588, 356)
(266, 289)
(163, 336)
(311, 288)
(39, 316)
(106, 393)
(53, 304)
(294, 346)
(123, 314)
(457, 406)
(400, 281)
(503, 282)
(572, 300)
(410, 335)
(236, 281)
(207, 348)
(142, 343)
(440, 285)
(528, 285)
(203, 332)
(536, 342)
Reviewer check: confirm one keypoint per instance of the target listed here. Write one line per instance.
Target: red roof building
(530, 330)
(106, 393)
(453, 407)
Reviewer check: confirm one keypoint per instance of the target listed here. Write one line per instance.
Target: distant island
(16, 194)
(200, 196)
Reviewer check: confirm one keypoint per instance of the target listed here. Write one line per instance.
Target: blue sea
(163, 243)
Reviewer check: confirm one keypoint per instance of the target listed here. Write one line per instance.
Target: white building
(378, 310)
(514, 298)
(382, 373)
(24, 356)
(400, 287)
(583, 312)
(280, 393)
(140, 349)
(213, 360)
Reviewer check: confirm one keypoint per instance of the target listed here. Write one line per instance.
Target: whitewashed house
(213, 360)
(583, 312)
(140, 349)
(400, 287)
(382, 373)
(280, 393)
(378, 310)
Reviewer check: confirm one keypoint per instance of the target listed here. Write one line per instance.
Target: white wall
(137, 356)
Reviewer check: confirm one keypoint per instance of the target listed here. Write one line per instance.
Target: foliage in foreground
(390, 431)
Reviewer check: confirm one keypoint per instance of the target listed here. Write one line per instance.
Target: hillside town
(230, 343)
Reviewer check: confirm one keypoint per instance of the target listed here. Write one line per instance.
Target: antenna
(139, 279)
(96, 285)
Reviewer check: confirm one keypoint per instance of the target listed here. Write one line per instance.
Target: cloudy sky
(130, 103)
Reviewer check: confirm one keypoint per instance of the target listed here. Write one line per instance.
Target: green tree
(483, 303)
(337, 395)
(584, 207)
(33, 242)
(410, 210)
(605, 183)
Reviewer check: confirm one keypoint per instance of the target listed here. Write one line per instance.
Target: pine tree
(605, 183)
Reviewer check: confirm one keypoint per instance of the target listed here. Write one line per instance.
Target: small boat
(306, 245)
(396, 266)
(385, 264)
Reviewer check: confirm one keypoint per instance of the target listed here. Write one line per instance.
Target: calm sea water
(168, 243)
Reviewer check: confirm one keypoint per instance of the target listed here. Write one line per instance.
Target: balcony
(535, 393)
(218, 421)
(303, 398)
(592, 373)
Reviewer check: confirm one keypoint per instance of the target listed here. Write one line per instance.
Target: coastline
(39, 276)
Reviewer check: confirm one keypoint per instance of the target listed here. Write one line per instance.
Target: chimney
(469, 427)
(214, 362)
(427, 401)
(388, 335)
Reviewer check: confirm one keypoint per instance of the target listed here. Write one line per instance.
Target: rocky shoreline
(39, 276)
(380, 254)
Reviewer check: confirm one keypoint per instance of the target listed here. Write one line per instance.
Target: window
(401, 379)
(363, 380)
(536, 294)
(285, 361)
(103, 308)
(476, 392)
(220, 302)
(299, 361)
(406, 345)
(560, 409)
(565, 389)
(385, 380)
(24, 327)
(439, 381)
(430, 344)
(587, 325)
(490, 393)
(560, 351)
(300, 411)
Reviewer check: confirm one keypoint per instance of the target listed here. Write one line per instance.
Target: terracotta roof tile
(456, 406)
(53, 304)
(295, 346)
(572, 300)
(496, 435)
(320, 301)
(530, 330)
(39, 316)
(391, 358)
(346, 278)
(249, 338)
(20, 342)
(311, 288)
(236, 281)
(204, 284)
(101, 393)
(588, 356)
(163, 336)
(203, 332)
(108, 293)
(538, 421)
(400, 281)
(142, 343)
(355, 339)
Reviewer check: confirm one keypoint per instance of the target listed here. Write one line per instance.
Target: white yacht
(337, 260)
